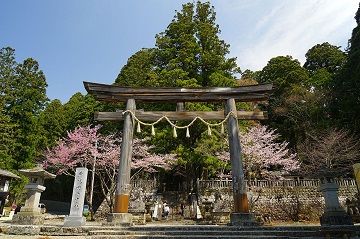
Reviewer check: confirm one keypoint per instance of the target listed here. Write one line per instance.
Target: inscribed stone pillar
(241, 215)
(76, 219)
(121, 207)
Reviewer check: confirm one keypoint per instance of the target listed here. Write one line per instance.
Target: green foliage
(321, 79)
(289, 78)
(79, 111)
(248, 77)
(191, 50)
(17, 191)
(138, 70)
(346, 103)
(325, 56)
(23, 97)
(323, 62)
(7, 141)
(53, 123)
(284, 72)
(301, 96)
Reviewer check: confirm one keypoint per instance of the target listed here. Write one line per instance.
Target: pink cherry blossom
(263, 155)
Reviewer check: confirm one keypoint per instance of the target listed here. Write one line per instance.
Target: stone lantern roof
(37, 172)
(7, 174)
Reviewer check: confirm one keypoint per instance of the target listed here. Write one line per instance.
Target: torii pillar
(240, 216)
(120, 215)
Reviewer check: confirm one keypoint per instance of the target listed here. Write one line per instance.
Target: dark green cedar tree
(346, 101)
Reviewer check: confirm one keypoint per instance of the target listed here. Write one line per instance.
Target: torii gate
(114, 93)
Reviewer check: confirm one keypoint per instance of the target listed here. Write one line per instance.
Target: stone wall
(271, 200)
(274, 200)
(143, 194)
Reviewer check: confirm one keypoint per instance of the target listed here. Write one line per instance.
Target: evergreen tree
(346, 103)
(190, 53)
(323, 62)
(325, 56)
(138, 70)
(7, 128)
(79, 111)
(23, 96)
(286, 105)
(53, 123)
(7, 141)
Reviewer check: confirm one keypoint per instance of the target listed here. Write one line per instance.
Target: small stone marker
(76, 219)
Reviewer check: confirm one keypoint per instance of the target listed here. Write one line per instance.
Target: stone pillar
(333, 213)
(241, 215)
(121, 207)
(76, 219)
(137, 206)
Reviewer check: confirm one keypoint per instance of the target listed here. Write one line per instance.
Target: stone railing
(227, 183)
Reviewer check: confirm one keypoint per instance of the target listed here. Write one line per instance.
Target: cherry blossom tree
(86, 147)
(77, 149)
(263, 155)
(144, 160)
(329, 154)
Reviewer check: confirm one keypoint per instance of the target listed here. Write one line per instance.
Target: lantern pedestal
(333, 214)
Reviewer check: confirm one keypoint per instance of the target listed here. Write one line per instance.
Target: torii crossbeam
(114, 93)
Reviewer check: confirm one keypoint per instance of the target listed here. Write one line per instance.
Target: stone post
(241, 215)
(121, 216)
(76, 219)
(30, 213)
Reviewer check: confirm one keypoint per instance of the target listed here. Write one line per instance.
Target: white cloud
(289, 28)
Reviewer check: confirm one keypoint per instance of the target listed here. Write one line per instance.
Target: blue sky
(90, 40)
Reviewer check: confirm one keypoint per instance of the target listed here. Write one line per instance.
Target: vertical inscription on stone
(78, 196)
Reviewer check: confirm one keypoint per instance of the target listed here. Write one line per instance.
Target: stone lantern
(30, 213)
(334, 214)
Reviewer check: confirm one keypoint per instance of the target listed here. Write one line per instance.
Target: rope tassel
(187, 132)
(138, 127)
(152, 130)
(174, 132)
(222, 128)
(209, 130)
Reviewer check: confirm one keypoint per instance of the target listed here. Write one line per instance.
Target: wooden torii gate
(114, 93)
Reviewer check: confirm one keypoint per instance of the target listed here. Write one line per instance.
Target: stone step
(180, 231)
(56, 230)
(222, 228)
(140, 236)
(210, 232)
